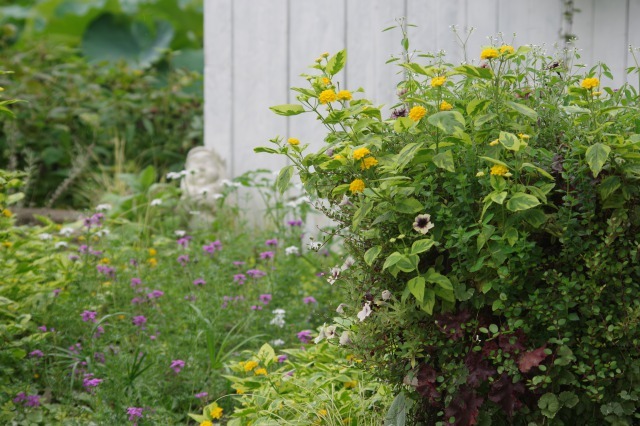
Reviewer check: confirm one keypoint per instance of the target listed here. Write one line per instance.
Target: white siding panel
(483, 16)
(610, 42)
(634, 40)
(532, 21)
(583, 28)
(260, 46)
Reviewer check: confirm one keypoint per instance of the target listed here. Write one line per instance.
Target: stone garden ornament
(202, 184)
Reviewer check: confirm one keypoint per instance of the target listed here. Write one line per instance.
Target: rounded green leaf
(521, 201)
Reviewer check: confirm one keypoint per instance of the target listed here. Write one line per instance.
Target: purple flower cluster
(183, 259)
(135, 282)
(212, 247)
(256, 273)
(199, 282)
(155, 294)
(265, 299)
(177, 365)
(296, 222)
(184, 241)
(27, 400)
(309, 299)
(282, 358)
(95, 220)
(36, 354)
(227, 299)
(240, 278)
(304, 336)
(134, 413)
(106, 270)
(272, 242)
(89, 316)
(201, 395)
(139, 320)
(89, 382)
(256, 307)
(267, 255)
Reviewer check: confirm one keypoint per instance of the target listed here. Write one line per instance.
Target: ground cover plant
(112, 322)
(493, 220)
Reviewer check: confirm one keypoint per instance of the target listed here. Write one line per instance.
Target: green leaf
(336, 62)
(265, 149)
(397, 413)
(147, 177)
(108, 38)
(498, 197)
(538, 169)
(440, 280)
(568, 399)
(402, 124)
(596, 156)
(360, 214)
(371, 254)
(522, 109)
(416, 286)
(392, 259)
(419, 69)
(444, 160)
(475, 72)
(509, 141)
(408, 205)
(287, 109)
(447, 121)
(420, 246)
(493, 161)
(609, 186)
(408, 263)
(429, 301)
(549, 405)
(477, 105)
(534, 217)
(284, 177)
(521, 201)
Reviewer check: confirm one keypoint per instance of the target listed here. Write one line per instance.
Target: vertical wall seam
(232, 118)
(625, 58)
(345, 28)
(288, 65)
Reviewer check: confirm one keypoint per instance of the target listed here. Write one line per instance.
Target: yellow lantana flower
(322, 412)
(499, 170)
(506, 49)
(326, 81)
(360, 153)
(368, 162)
(523, 136)
(206, 423)
(153, 261)
(260, 372)
(344, 95)
(356, 186)
(438, 81)
(327, 96)
(489, 53)
(494, 142)
(417, 112)
(250, 365)
(293, 141)
(216, 413)
(590, 83)
(445, 106)
(7, 213)
(351, 384)
(152, 252)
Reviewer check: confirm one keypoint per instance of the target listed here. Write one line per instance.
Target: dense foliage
(494, 223)
(79, 124)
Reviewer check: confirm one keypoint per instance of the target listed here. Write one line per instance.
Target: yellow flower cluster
(368, 162)
(153, 252)
(260, 372)
(7, 213)
(344, 95)
(206, 423)
(351, 384)
(356, 186)
(438, 81)
(499, 170)
(445, 106)
(293, 141)
(326, 81)
(327, 96)
(249, 365)
(506, 49)
(417, 112)
(590, 83)
(489, 53)
(360, 153)
(216, 413)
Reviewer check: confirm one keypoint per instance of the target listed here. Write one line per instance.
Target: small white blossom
(61, 244)
(335, 274)
(217, 196)
(291, 250)
(278, 318)
(180, 233)
(176, 175)
(348, 263)
(102, 232)
(314, 245)
(340, 308)
(156, 202)
(277, 342)
(65, 232)
(386, 295)
(45, 236)
(103, 207)
(365, 312)
(344, 338)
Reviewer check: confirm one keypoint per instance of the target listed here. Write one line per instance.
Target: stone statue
(202, 183)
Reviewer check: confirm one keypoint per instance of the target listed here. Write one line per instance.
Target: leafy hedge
(494, 223)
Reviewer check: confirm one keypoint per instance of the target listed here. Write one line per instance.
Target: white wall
(256, 49)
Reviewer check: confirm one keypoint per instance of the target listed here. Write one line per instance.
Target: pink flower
(135, 282)
(265, 298)
(177, 365)
(309, 299)
(304, 336)
(271, 242)
(267, 255)
(139, 320)
(183, 259)
(88, 316)
(199, 281)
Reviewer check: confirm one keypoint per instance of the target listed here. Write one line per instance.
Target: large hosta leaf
(113, 40)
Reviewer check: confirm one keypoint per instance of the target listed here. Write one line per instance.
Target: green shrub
(81, 121)
(494, 222)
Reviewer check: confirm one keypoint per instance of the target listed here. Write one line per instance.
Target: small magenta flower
(74, 257)
(32, 401)
(155, 294)
(240, 278)
(272, 242)
(89, 382)
(256, 273)
(296, 222)
(135, 282)
(89, 316)
(267, 255)
(199, 282)
(99, 357)
(304, 336)
(99, 332)
(183, 259)
(177, 365)
(256, 307)
(139, 320)
(201, 395)
(43, 328)
(282, 358)
(238, 263)
(134, 413)
(83, 249)
(309, 299)
(137, 300)
(184, 241)
(265, 298)
(36, 354)
(212, 247)
(56, 292)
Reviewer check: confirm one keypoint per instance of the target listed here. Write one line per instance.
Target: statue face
(202, 169)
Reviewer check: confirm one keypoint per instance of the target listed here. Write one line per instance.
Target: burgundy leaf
(452, 324)
(513, 341)
(464, 407)
(531, 359)
(479, 369)
(505, 393)
(426, 383)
